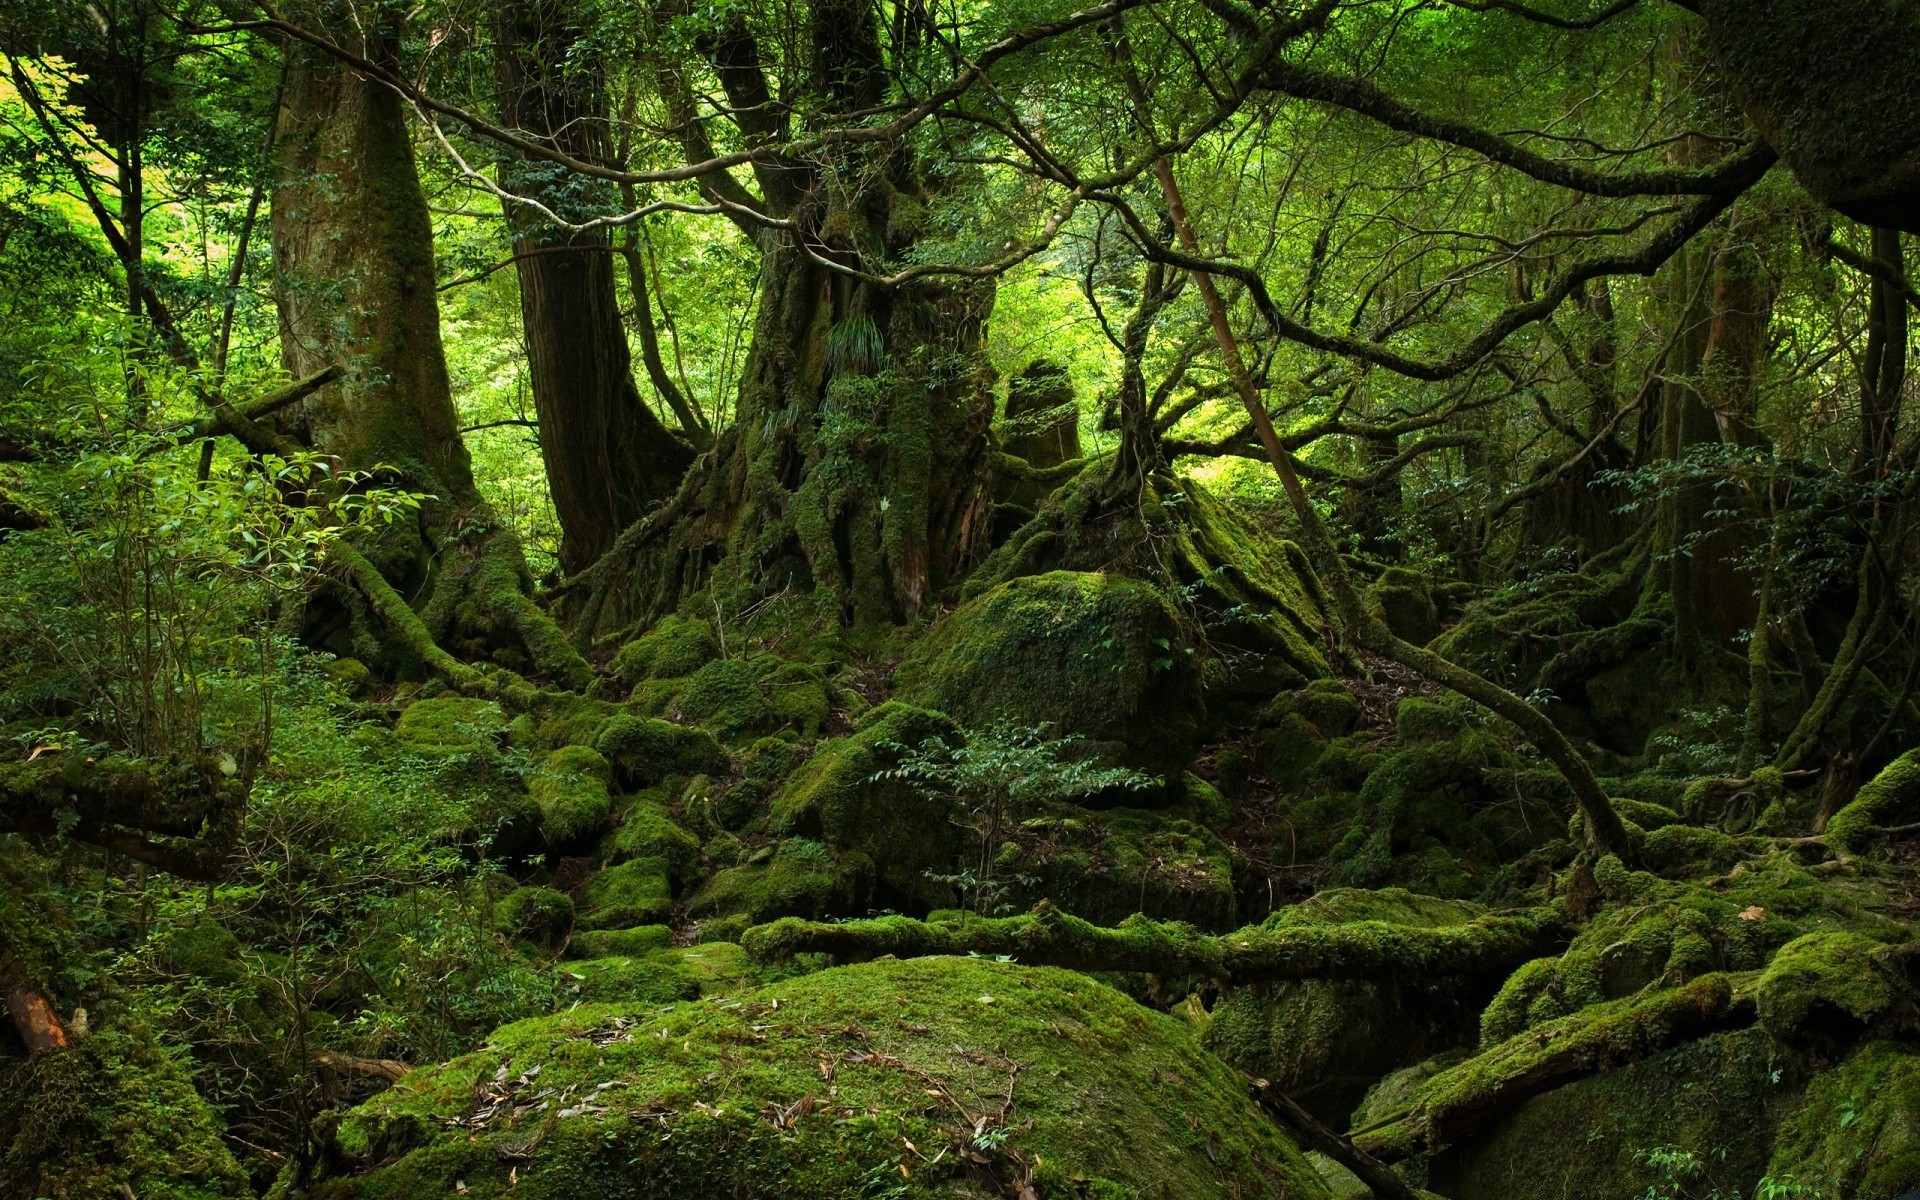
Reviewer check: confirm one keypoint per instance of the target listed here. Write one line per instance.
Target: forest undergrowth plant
(995, 779)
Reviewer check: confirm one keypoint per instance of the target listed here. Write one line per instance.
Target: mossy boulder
(1106, 865)
(535, 914)
(798, 878)
(1099, 656)
(570, 786)
(842, 797)
(1827, 987)
(109, 1116)
(646, 750)
(1857, 1133)
(1326, 1042)
(927, 1078)
(726, 697)
(1888, 798)
(633, 942)
(647, 830)
(632, 893)
(1418, 720)
(1404, 600)
(450, 725)
(675, 647)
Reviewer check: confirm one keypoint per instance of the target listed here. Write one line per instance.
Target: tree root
(1376, 1175)
(1476, 1094)
(1488, 947)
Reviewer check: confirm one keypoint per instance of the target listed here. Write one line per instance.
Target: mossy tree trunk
(608, 457)
(354, 284)
(858, 465)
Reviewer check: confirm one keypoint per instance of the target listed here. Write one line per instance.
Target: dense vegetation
(886, 598)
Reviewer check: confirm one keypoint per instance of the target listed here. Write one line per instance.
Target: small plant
(995, 778)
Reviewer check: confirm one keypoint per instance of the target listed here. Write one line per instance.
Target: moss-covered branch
(173, 815)
(1490, 946)
(1472, 1096)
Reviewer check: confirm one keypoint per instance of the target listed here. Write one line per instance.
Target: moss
(645, 980)
(1417, 720)
(860, 1081)
(648, 830)
(1289, 749)
(114, 1114)
(350, 675)
(1097, 656)
(1108, 865)
(1326, 1042)
(633, 893)
(1827, 984)
(725, 696)
(1327, 704)
(1404, 600)
(1717, 1099)
(571, 788)
(674, 648)
(1858, 1132)
(646, 750)
(539, 915)
(797, 696)
(620, 943)
(799, 879)
(1894, 791)
(450, 724)
(1687, 850)
(841, 798)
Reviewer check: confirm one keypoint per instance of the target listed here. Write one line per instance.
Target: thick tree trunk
(353, 253)
(608, 457)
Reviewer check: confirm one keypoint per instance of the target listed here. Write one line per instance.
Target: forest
(1103, 599)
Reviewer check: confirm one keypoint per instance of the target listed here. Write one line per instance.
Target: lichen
(878, 1079)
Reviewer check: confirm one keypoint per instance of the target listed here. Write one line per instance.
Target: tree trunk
(354, 283)
(608, 457)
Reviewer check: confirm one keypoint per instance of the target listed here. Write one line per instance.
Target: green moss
(840, 797)
(1827, 983)
(1289, 749)
(350, 675)
(1687, 850)
(797, 695)
(114, 1114)
(450, 724)
(726, 697)
(648, 830)
(646, 750)
(1404, 600)
(800, 879)
(1326, 1042)
(1417, 720)
(1858, 1132)
(539, 915)
(1107, 865)
(633, 893)
(675, 647)
(1894, 791)
(620, 943)
(646, 980)
(570, 786)
(1099, 656)
(860, 1081)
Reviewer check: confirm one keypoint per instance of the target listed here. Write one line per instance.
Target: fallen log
(35, 1020)
(1489, 946)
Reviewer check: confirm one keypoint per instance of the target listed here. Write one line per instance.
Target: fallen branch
(1489, 947)
(35, 1020)
(1378, 1176)
(352, 1066)
(1476, 1094)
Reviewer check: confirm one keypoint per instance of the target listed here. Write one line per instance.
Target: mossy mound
(1857, 1133)
(798, 878)
(1404, 600)
(1099, 656)
(634, 942)
(937, 1077)
(538, 915)
(570, 786)
(842, 798)
(739, 699)
(1105, 865)
(634, 893)
(450, 725)
(648, 830)
(1325, 1042)
(646, 750)
(110, 1116)
(674, 648)
(661, 974)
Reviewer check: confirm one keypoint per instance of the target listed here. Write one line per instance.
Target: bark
(35, 1020)
(1376, 1175)
(354, 284)
(608, 457)
(1487, 948)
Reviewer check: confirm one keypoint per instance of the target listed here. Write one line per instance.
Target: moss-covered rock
(633, 942)
(1828, 986)
(536, 914)
(646, 750)
(1417, 720)
(726, 697)
(450, 725)
(1893, 793)
(1404, 600)
(675, 647)
(570, 785)
(1858, 1131)
(633, 893)
(111, 1115)
(1099, 656)
(797, 879)
(1106, 865)
(942, 1077)
(1326, 1042)
(647, 830)
(842, 797)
